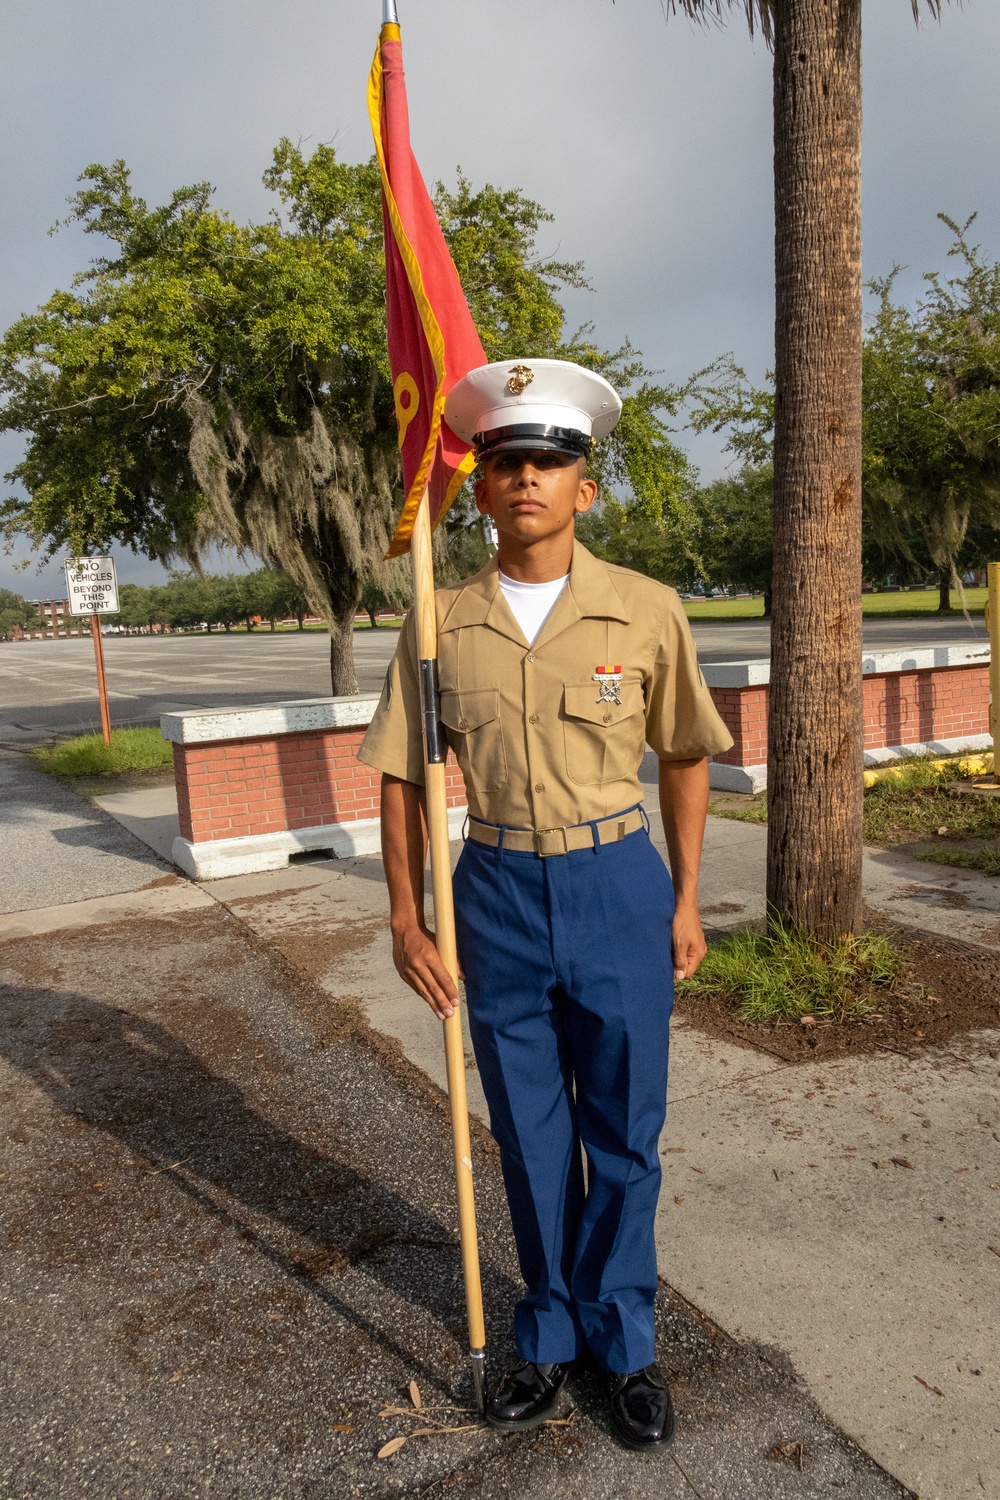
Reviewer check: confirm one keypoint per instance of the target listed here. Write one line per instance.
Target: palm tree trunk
(815, 719)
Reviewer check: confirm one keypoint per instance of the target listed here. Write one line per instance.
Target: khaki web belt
(549, 841)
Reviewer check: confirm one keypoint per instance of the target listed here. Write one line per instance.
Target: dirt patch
(953, 988)
(935, 895)
(121, 781)
(314, 948)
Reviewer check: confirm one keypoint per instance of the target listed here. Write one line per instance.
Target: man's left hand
(689, 941)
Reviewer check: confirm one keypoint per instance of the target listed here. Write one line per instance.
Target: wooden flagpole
(435, 753)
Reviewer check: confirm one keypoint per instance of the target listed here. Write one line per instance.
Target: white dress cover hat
(536, 403)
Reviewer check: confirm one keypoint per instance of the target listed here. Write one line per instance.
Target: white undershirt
(531, 603)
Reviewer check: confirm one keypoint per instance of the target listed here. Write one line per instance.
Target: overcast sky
(649, 140)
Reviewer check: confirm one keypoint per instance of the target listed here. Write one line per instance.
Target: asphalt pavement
(229, 1247)
(49, 687)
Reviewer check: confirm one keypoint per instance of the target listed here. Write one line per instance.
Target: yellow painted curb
(965, 765)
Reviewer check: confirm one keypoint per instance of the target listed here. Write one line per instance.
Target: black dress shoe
(642, 1412)
(526, 1396)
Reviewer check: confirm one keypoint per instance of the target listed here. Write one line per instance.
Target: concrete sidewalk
(935, 898)
(57, 847)
(788, 1214)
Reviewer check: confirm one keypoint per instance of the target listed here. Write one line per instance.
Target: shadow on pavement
(128, 1076)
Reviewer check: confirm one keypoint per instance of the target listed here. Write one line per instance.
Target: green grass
(755, 810)
(783, 975)
(922, 801)
(901, 606)
(922, 602)
(986, 861)
(130, 750)
(724, 609)
(917, 804)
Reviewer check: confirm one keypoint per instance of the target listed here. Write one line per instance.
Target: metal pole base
(478, 1357)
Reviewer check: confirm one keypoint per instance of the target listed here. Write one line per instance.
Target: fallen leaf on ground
(341, 1427)
(900, 1161)
(438, 1431)
(791, 1451)
(928, 1387)
(410, 1411)
(415, 1394)
(175, 1377)
(700, 1170)
(995, 1249)
(807, 1020)
(391, 1447)
(680, 1199)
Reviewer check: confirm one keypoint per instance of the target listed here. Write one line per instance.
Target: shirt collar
(590, 594)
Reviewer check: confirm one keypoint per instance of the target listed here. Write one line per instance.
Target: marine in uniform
(556, 671)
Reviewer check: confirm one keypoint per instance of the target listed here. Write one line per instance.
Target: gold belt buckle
(550, 841)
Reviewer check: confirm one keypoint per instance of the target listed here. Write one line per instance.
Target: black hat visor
(532, 435)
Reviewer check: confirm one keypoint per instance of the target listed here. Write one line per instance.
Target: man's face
(534, 493)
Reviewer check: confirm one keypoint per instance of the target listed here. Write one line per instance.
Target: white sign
(91, 586)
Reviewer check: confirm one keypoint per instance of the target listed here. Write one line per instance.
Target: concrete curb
(217, 858)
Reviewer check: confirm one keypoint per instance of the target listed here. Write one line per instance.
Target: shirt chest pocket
(472, 719)
(605, 741)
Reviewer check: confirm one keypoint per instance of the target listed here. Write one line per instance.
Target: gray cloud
(648, 140)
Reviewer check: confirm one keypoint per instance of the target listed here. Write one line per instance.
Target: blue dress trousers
(569, 982)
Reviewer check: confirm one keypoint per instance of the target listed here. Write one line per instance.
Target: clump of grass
(987, 861)
(921, 800)
(754, 810)
(87, 755)
(783, 975)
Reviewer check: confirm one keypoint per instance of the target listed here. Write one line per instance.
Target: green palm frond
(759, 13)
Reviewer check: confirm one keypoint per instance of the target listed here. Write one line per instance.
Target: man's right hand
(417, 960)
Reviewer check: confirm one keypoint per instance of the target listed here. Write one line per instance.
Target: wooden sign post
(92, 589)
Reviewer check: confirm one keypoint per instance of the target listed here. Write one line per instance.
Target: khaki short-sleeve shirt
(538, 745)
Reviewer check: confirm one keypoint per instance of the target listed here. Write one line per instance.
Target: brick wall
(744, 711)
(238, 788)
(912, 708)
(900, 708)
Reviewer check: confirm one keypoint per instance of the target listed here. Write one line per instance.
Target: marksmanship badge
(610, 679)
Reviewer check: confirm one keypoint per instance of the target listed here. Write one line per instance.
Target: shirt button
(532, 718)
(539, 786)
(531, 655)
(607, 719)
(464, 723)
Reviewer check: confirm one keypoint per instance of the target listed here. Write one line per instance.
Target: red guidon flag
(432, 339)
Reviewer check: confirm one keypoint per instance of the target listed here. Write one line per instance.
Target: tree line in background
(190, 601)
